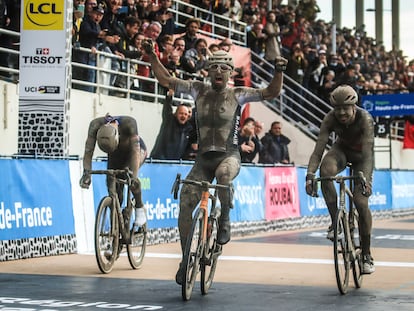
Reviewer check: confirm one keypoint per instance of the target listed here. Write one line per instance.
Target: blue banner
(381, 198)
(156, 183)
(249, 195)
(35, 199)
(389, 104)
(309, 206)
(402, 189)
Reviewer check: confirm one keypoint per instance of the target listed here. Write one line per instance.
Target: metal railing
(296, 104)
(221, 26)
(300, 106)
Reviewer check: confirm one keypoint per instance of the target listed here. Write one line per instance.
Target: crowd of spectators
(292, 31)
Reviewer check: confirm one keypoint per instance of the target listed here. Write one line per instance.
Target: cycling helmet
(107, 138)
(343, 95)
(220, 57)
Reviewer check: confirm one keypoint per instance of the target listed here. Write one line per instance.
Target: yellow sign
(43, 14)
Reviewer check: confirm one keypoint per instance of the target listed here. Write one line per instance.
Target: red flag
(408, 136)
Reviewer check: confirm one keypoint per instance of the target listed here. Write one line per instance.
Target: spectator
(144, 9)
(191, 30)
(165, 18)
(173, 138)
(123, 50)
(255, 41)
(275, 146)
(152, 32)
(196, 58)
(226, 45)
(272, 32)
(91, 36)
(179, 45)
(296, 69)
(166, 46)
(316, 76)
(249, 144)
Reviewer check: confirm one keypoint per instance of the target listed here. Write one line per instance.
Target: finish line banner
(389, 104)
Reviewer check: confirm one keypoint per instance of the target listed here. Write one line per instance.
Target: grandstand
(299, 106)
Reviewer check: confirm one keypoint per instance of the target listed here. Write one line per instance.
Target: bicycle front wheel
(341, 252)
(356, 263)
(136, 247)
(106, 235)
(192, 254)
(212, 251)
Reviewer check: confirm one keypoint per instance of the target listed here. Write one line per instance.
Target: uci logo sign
(43, 14)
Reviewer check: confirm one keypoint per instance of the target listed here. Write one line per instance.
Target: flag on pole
(408, 135)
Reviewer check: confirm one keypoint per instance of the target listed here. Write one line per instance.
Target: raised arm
(160, 72)
(275, 86)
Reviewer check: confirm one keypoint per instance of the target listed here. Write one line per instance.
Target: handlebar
(341, 179)
(115, 173)
(205, 185)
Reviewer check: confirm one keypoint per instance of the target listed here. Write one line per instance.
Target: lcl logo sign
(43, 14)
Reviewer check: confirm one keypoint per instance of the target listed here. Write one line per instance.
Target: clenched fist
(280, 64)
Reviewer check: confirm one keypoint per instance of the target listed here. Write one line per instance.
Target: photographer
(195, 58)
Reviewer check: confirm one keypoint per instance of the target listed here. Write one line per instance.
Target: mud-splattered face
(219, 75)
(345, 114)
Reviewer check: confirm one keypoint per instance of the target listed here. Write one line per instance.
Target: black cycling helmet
(107, 138)
(343, 95)
(220, 57)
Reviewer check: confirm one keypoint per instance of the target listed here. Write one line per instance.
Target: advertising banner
(42, 50)
(156, 183)
(402, 189)
(249, 195)
(381, 198)
(282, 199)
(309, 206)
(35, 199)
(389, 104)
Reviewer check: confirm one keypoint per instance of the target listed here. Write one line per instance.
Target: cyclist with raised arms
(354, 130)
(218, 110)
(118, 137)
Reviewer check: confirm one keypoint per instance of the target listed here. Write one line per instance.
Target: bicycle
(201, 251)
(346, 242)
(116, 227)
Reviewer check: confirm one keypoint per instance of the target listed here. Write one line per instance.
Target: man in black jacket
(174, 136)
(275, 146)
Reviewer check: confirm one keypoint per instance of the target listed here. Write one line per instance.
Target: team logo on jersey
(43, 14)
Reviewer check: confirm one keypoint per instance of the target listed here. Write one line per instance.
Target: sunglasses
(222, 67)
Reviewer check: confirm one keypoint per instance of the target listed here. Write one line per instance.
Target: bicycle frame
(201, 251)
(115, 198)
(345, 245)
(113, 225)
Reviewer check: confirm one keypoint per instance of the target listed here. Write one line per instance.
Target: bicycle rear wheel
(211, 252)
(341, 252)
(106, 235)
(137, 246)
(192, 254)
(356, 263)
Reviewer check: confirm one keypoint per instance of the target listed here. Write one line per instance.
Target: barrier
(43, 211)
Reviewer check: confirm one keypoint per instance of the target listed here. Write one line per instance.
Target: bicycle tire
(341, 252)
(138, 243)
(106, 235)
(356, 263)
(211, 252)
(192, 254)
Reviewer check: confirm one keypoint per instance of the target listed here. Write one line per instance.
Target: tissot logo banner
(43, 50)
(43, 14)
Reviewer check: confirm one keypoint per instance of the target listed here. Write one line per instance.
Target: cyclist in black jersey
(218, 111)
(354, 129)
(118, 137)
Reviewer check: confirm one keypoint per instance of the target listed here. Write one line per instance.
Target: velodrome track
(286, 270)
